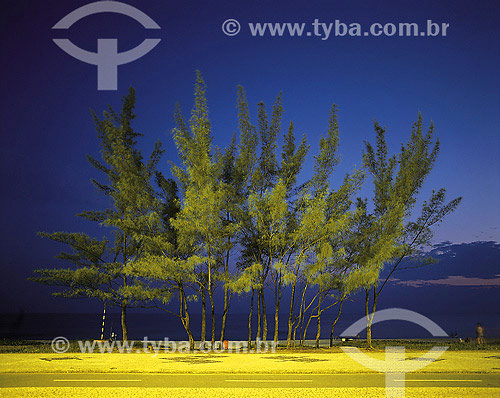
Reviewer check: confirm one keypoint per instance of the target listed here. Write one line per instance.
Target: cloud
(451, 280)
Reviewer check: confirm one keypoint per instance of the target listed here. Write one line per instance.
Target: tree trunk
(300, 319)
(368, 323)
(250, 321)
(369, 336)
(370, 314)
(227, 302)
(290, 318)
(124, 323)
(227, 295)
(318, 323)
(212, 314)
(335, 322)
(259, 317)
(276, 315)
(276, 326)
(211, 296)
(184, 315)
(203, 336)
(305, 330)
(185, 323)
(310, 317)
(318, 330)
(264, 317)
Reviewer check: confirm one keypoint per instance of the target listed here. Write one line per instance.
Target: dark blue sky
(46, 128)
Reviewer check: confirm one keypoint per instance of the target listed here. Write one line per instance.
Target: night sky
(46, 127)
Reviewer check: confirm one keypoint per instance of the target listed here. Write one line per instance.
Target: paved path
(241, 380)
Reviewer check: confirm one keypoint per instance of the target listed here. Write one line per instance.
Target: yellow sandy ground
(451, 361)
(134, 392)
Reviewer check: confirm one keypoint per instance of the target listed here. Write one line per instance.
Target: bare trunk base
(124, 324)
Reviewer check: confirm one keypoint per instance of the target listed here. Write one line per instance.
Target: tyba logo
(395, 366)
(107, 58)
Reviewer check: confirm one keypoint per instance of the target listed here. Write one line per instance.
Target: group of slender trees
(240, 220)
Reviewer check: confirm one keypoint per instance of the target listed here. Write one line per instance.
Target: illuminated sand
(338, 362)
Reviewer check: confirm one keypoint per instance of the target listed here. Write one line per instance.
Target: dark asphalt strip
(241, 380)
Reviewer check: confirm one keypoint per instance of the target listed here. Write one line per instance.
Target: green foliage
(99, 266)
(397, 183)
(327, 159)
